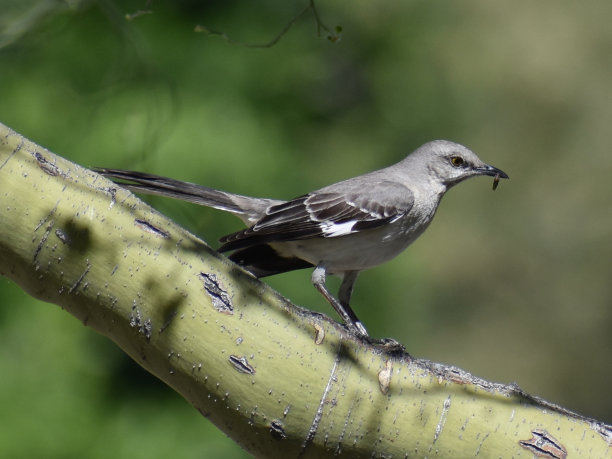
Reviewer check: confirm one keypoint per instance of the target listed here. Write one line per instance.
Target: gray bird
(340, 229)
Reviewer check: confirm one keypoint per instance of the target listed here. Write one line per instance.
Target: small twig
(333, 36)
(147, 10)
(201, 28)
(137, 13)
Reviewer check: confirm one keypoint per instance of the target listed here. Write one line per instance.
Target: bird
(340, 229)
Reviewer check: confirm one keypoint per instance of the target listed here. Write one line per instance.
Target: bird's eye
(457, 161)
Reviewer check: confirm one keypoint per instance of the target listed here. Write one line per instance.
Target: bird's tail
(246, 208)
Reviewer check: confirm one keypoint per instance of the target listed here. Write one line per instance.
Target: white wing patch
(331, 229)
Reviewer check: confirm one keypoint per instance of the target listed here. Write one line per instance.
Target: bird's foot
(386, 344)
(358, 328)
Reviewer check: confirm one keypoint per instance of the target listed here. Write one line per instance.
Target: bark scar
(442, 421)
(47, 166)
(384, 377)
(241, 364)
(80, 279)
(13, 153)
(277, 430)
(218, 295)
(150, 228)
(319, 414)
(43, 239)
(542, 444)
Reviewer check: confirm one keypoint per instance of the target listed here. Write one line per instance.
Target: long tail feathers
(140, 182)
(261, 259)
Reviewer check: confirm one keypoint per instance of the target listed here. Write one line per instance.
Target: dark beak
(492, 171)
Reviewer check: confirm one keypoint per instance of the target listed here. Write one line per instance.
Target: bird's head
(449, 163)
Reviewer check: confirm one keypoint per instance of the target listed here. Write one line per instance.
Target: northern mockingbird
(340, 229)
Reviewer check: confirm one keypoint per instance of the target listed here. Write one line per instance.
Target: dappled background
(513, 285)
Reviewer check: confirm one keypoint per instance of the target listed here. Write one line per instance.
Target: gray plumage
(340, 229)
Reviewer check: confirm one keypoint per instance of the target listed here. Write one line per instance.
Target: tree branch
(332, 35)
(280, 380)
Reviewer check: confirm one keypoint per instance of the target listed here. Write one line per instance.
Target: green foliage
(511, 285)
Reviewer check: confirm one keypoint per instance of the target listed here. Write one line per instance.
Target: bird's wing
(330, 212)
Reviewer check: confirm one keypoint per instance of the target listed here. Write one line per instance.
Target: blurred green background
(513, 286)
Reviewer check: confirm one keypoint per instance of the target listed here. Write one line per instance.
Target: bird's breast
(360, 250)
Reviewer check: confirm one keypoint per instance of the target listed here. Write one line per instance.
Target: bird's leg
(343, 309)
(346, 288)
(344, 295)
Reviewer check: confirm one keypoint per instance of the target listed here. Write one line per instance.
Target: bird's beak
(492, 171)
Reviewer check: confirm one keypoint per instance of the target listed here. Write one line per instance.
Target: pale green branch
(280, 381)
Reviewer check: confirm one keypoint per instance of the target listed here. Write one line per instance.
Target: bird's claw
(386, 344)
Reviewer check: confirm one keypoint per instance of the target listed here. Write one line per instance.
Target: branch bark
(278, 379)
